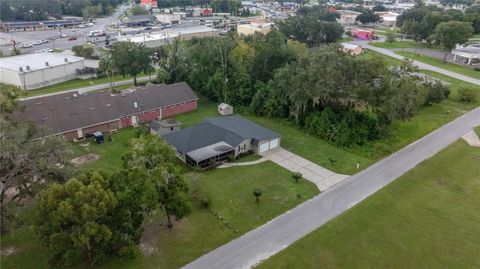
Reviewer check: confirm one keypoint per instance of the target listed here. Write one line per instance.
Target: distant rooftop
(36, 61)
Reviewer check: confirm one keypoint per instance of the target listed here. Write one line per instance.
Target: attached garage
(268, 145)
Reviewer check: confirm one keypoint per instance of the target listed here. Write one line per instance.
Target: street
(279, 233)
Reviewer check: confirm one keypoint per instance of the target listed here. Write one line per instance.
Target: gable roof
(70, 111)
(229, 129)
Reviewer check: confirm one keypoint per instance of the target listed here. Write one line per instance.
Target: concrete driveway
(320, 176)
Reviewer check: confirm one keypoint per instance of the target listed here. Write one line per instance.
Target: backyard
(427, 218)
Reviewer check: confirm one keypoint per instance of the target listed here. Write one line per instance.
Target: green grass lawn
(230, 191)
(248, 158)
(110, 152)
(428, 218)
(439, 63)
(370, 54)
(398, 44)
(74, 84)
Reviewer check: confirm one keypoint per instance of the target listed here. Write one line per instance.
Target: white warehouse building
(33, 71)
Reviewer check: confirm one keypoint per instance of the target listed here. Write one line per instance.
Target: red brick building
(76, 115)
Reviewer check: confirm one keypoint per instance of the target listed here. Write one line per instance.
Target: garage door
(263, 147)
(274, 143)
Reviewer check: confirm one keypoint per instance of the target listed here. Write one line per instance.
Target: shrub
(446, 92)
(476, 68)
(467, 94)
(206, 202)
(297, 176)
(436, 93)
(257, 193)
(390, 37)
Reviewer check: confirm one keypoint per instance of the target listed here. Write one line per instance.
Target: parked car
(63, 35)
(45, 41)
(26, 45)
(38, 42)
(72, 38)
(147, 29)
(82, 26)
(49, 50)
(89, 24)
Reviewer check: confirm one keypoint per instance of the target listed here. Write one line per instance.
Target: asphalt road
(265, 241)
(421, 65)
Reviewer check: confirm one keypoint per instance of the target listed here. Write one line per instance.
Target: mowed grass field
(439, 63)
(428, 218)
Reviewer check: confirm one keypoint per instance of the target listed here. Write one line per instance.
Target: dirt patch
(147, 242)
(8, 251)
(84, 159)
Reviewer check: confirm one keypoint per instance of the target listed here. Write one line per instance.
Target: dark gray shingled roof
(231, 129)
(65, 112)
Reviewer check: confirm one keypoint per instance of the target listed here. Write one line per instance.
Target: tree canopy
(449, 34)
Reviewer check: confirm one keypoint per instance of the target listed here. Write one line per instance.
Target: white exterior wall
(48, 76)
(8, 76)
(248, 146)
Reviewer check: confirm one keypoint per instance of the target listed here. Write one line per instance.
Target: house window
(171, 128)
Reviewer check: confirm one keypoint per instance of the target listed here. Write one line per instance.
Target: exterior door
(263, 147)
(274, 143)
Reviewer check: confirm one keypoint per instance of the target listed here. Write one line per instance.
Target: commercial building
(347, 17)
(76, 115)
(138, 20)
(388, 19)
(38, 25)
(33, 71)
(169, 18)
(163, 37)
(255, 26)
(217, 139)
(148, 4)
(363, 34)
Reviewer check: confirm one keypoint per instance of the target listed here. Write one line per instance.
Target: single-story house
(467, 56)
(217, 139)
(388, 18)
(352, 49)
(76, 115)
(11, 26)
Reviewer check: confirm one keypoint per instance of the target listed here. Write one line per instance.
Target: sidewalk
(90, 88)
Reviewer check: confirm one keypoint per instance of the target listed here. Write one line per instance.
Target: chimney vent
(46, 64)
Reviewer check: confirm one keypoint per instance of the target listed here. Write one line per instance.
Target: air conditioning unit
(27, 67)
(65, 59)
(46, 64)
(20, 69)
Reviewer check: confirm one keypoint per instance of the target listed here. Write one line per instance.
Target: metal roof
(36, 61)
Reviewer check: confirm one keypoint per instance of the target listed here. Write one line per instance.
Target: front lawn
(235, 213)
(427, 218)
(439, 63)
(398, 44)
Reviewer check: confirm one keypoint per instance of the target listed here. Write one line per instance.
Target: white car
(82, 26)
(89, 24)
(45, 41)
(63, 35)
(38, 42)
(26, 45)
